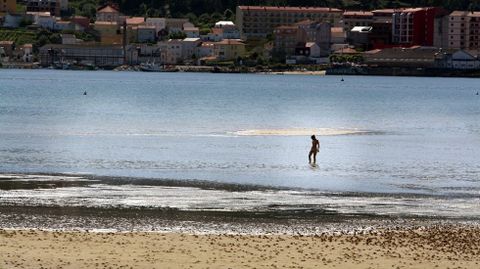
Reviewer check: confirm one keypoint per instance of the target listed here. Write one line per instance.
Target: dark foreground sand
(445, 246)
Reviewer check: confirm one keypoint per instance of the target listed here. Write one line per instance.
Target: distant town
(402, 41)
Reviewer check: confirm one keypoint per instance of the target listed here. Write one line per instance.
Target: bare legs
(314, 153)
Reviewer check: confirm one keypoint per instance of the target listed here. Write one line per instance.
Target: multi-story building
(9, 6)
(98, 55)
(260, 21)
(356, 18)
(464, 30)
(146, 33)
(175, 24)
(318, 32)
(288, 37)
(171, 51)
(415, 26)
(52, 6)
(381, 35)
(226, 30)
(158, 23)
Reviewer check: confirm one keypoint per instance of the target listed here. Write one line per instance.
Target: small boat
(151, 67)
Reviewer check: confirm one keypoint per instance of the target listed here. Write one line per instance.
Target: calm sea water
(413, 142)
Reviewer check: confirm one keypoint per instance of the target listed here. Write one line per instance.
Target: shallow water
(390, 136)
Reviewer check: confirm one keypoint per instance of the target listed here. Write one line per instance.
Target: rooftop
(135, 20)
(362, 29)
(146, 27)
(80, 46)
(346, 51)
(460, 13)
(191, 39)
(290, 9)
(416, 53)
(336, 30)
(190, 29)
(106, 23)
(224, 23)
(230, 42)
(108, 9)
(384, 11)
(358, 13)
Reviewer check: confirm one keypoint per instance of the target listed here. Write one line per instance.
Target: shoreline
(209, 222)
(75, 197)
(366, 71)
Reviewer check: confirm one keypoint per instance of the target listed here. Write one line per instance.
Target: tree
(25, 22)
(177, 35)
(55, 39)
(88, 10)
(229, 15)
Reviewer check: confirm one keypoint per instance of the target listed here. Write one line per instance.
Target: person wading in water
(314, 150)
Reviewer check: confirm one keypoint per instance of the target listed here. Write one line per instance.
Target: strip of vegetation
(19, 36)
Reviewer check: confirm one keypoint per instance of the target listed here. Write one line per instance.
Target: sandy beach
(432, 247)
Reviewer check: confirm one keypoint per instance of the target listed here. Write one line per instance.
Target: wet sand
(433, 247)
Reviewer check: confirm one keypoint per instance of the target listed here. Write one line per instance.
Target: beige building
(110, 32)
(9, 6)
(229, 49)
(260, 21)
(464, 30)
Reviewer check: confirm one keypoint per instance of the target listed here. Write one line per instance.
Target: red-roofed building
(109, 13)
(260, 21)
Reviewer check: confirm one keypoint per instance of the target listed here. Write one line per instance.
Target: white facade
(463, 60)
(146, 33)
(170, 51)
(228, 30)
(314, 49)
(189, 47)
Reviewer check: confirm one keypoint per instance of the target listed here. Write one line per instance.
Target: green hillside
(195, 8)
